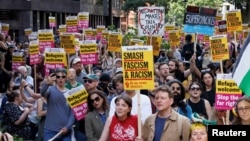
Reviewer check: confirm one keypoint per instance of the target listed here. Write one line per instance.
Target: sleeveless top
(198, 107)
(126, 130)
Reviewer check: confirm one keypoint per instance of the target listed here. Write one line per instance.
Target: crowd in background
(184, 94)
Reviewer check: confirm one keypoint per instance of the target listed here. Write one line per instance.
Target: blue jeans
(80, 136)
(48, 134)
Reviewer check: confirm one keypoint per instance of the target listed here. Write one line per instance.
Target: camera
(111, 86)
(52, 71)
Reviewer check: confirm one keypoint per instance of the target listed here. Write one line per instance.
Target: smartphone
(52, 71)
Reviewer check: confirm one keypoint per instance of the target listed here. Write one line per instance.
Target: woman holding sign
(122, 126)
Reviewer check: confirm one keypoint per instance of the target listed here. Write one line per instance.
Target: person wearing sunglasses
(91, 82)
(198, 104)
(60, 117)
(96, 115)
(180, 104)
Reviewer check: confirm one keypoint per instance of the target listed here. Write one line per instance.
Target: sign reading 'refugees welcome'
(151, 21)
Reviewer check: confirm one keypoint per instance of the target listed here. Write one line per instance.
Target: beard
(177, 99)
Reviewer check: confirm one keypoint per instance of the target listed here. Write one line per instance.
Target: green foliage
(112, 28)
(165, 45)
(99, 2)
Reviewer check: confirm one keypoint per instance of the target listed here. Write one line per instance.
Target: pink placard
(226, 101)
(49, 66)
(80, 111)
(34, 59)
(90, 58)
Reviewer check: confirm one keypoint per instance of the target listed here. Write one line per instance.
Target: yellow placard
(88, 48)
(89, 32)
(72, 22)
(62, 28)
(83, 17)
(115, 42)
(68, 43)
(34, 49)
(169, 27)
(52, 20)
(77, 98)
(156, 43)
(45, 36)
(27, 31)
(17, 58)
(174, 38)
(234, 21)
(55, 58)
(138, 67)
(227, 86)
(219, 47)
(133, 42)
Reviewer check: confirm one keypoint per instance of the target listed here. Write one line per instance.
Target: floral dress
(12, 113)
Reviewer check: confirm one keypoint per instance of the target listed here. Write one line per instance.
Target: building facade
(22, 14)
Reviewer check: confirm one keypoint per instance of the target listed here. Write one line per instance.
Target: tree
(244, 6)
(134, 4)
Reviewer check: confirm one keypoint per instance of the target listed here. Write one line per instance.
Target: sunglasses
(87, 81)
(195, 88)
(95, 99)
(58, 77)
(176, 88)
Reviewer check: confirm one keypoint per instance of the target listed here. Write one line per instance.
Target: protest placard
(27, 31)
(54, 58)
(138, 67)
(151, 21)
(167, 28)
(155, 41)
(77, 100)
(83, 20)
(234, 21)
(71, 24)
(219, 47)
(174, 38)
(88, 52)
(99, 30)
(115, 42)
(62, 28)
(52, 21)
(34, 52)
(46, 39)
(199, 20)
(67, 41)
(227, 92)
(5, 28)
(17, 60)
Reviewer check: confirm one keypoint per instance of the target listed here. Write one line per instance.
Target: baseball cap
(118, 70)
(118, 59)
(76, 60)
(91, 77)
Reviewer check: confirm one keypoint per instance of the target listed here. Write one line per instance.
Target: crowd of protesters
(184, 84)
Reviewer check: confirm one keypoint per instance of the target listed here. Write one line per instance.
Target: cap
(92, 77)
(76, 60)
(118, 70)
(118, 59)
(105, 77)
(12, 46)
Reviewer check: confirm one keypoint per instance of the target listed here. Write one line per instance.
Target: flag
(241, 72)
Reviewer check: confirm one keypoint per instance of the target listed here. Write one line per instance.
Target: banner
(151, 21)
(138, 67)
(77, 100)
(199, 20)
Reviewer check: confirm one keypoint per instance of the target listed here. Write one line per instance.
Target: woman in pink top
(122, 126)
